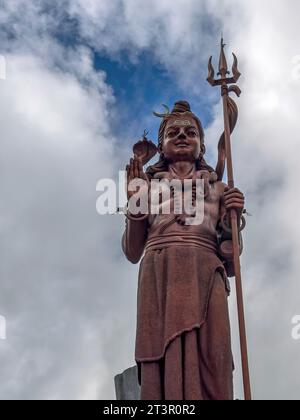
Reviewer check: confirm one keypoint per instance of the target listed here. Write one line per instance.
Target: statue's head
(180, 137)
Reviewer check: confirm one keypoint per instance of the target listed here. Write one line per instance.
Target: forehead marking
(181, 122)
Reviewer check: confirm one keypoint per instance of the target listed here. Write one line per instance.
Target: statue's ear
(160, 148)
(202, 151)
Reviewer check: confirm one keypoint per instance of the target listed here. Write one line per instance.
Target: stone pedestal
(127, 386)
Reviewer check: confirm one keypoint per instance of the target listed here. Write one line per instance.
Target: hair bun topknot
(181, 106)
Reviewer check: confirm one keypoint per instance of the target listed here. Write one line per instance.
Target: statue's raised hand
(134, 171)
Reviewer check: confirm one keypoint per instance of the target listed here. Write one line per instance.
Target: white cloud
(58, 274)
(54, 258)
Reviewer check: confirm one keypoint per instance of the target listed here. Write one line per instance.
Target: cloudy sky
(82, 78)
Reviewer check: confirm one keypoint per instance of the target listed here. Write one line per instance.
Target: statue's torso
(165, 229)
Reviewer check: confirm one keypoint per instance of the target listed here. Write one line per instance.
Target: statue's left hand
(234, 200)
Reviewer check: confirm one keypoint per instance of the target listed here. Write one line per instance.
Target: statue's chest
(167, 190)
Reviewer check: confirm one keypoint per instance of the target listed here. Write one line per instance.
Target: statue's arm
(136, 228)
(229, 200)
(134, 239)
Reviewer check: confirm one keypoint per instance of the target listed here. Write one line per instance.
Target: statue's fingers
(234, 203)
(140, 165)
(136, 168)
(141, 170)
(127, 177)
(127, 169)
(131, 170)
(234, 199)
(234, 195)
(232, 191)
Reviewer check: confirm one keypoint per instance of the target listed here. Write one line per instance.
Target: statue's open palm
(134, 170)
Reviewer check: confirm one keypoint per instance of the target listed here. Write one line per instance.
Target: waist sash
(181, 239)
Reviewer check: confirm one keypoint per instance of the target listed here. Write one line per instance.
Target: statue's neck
(182, 168)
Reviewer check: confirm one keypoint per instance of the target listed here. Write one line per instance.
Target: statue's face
(181, 140)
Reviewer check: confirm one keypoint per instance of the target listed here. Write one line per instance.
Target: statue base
(127, 385)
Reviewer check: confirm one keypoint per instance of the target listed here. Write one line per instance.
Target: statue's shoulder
(220, 187)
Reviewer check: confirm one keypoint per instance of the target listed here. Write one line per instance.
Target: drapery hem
(169, 341)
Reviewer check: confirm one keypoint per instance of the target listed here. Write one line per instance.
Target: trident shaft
(224, 81)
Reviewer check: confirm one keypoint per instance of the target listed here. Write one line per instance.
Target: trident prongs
(223, 70)
(211, 73)
(235, 72)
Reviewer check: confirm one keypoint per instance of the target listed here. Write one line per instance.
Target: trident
(224, 81)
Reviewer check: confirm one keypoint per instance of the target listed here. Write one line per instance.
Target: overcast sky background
(82, 78)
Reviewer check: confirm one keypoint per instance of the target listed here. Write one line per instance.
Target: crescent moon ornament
(156, 114)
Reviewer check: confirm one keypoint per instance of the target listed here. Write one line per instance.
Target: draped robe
(183, 344)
